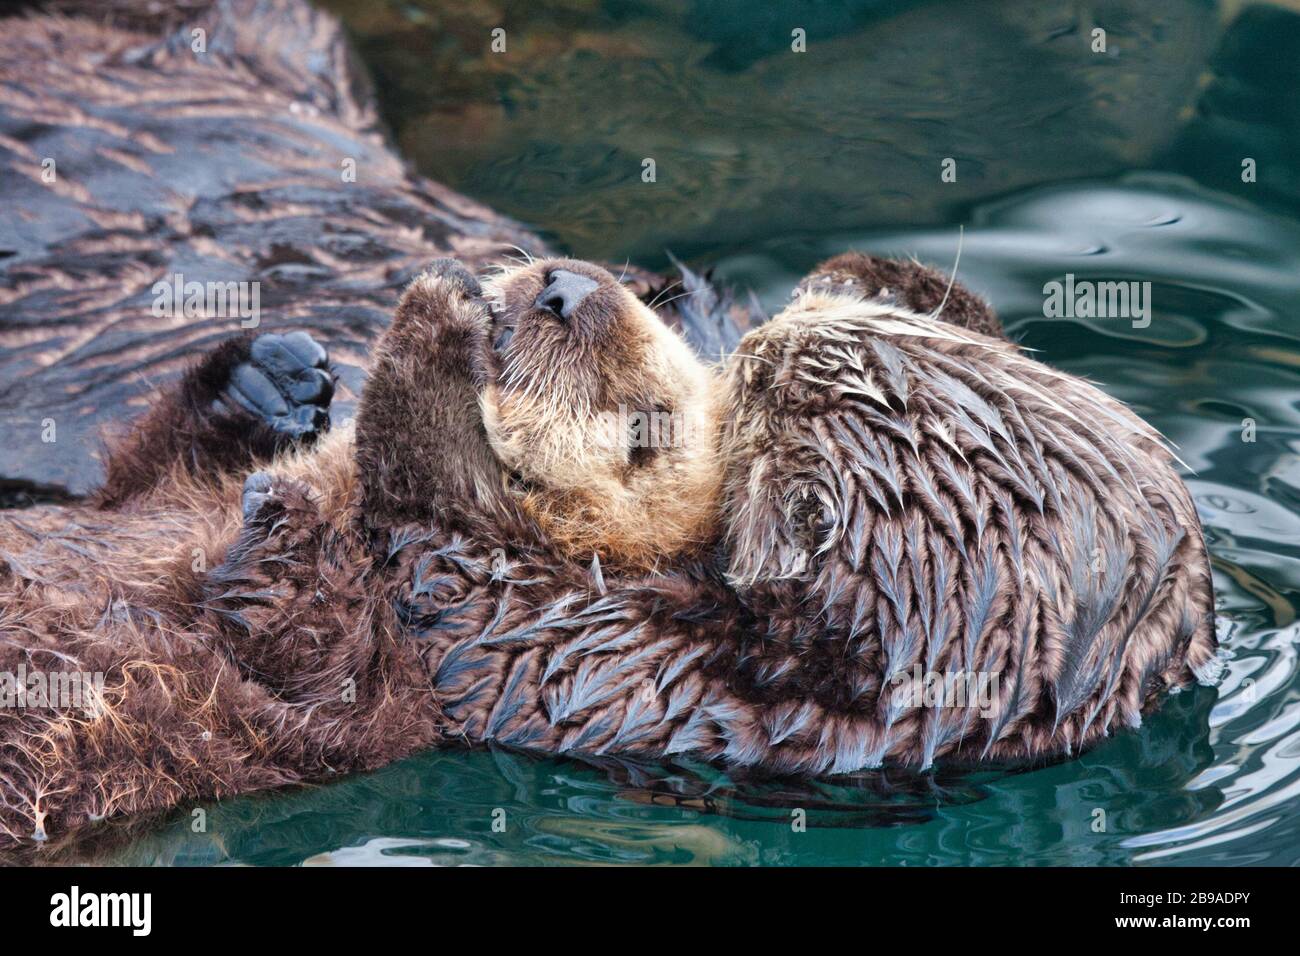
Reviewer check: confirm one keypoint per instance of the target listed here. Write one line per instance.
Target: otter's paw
(285, 383)
(281, 518)
(457, 276)
(853, 273)
(267, 497)
(442, 322)
(257, 492)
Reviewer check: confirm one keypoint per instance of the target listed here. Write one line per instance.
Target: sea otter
(877, 494)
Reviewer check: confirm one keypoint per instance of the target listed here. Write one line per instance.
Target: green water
(1125, 164)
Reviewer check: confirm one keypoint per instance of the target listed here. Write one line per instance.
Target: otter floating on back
(904, 502)
(872, 507)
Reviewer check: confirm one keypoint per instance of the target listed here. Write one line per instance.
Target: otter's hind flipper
(241, 403)
(286, 384)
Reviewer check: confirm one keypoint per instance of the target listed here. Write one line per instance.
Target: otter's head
(604, 418)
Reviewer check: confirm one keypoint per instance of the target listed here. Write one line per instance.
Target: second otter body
(924, 544)
(876, 507)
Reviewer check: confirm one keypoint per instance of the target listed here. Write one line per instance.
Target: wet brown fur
(557, 414)
(421, 598)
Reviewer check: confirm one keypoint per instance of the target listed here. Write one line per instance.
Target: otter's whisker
(528, 256)
(961, 235)
(651, 303)
(668, 302)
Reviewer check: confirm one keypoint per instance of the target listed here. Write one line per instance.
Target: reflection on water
(1127, 167)
(752, 139)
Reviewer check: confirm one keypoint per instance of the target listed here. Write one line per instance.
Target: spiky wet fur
(899, 489)
(902, 491)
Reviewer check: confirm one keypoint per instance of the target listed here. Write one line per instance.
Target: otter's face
(603, 414)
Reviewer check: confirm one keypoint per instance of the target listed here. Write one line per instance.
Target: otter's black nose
(565, 292)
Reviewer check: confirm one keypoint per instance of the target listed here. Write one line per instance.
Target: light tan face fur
(606, 418)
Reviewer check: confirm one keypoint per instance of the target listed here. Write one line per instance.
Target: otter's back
(906, 499)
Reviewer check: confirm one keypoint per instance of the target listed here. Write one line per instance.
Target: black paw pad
(286, 382)
(454, 272)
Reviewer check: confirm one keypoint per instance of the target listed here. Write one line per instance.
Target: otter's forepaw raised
(457, 276)
(445, 296)
(285, 383)
(855, 274)
(442, 322)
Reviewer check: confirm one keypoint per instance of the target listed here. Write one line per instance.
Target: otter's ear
(906, 283)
